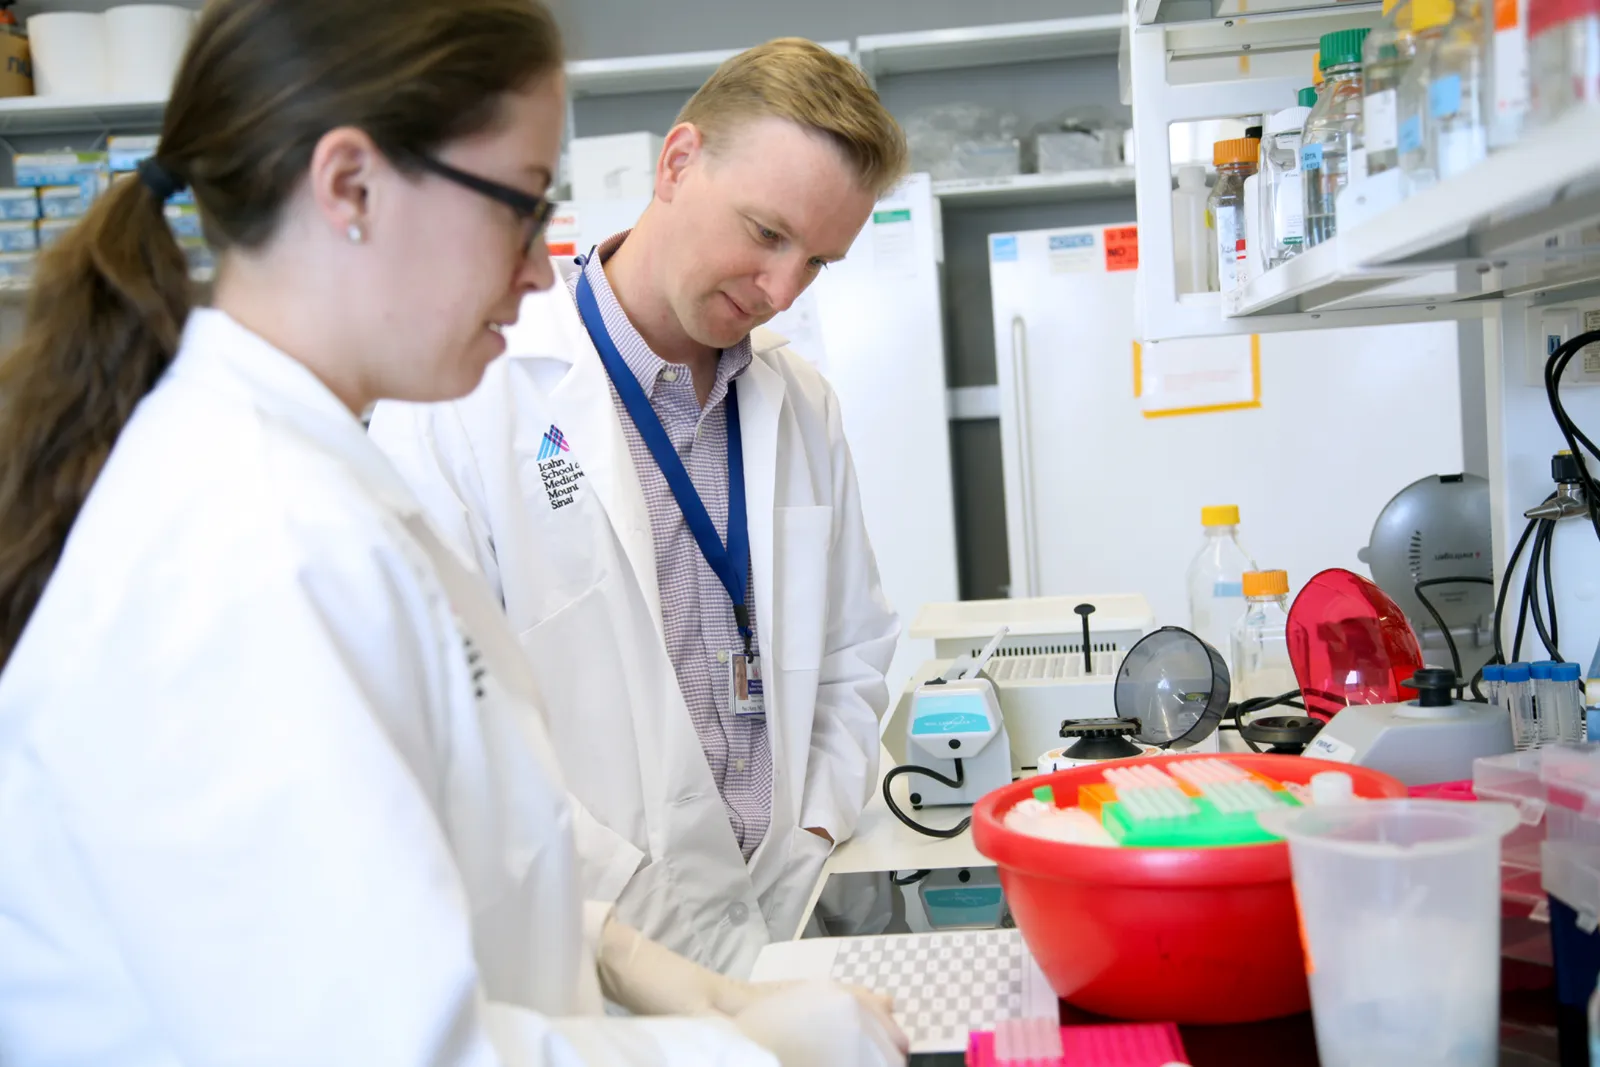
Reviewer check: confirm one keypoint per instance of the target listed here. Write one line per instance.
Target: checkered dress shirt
(695, 609)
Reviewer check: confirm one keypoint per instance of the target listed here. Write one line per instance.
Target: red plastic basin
(1184, 935)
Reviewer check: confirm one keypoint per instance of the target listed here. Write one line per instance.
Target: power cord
(1238, 711)
(1428, 583)
(930, 831)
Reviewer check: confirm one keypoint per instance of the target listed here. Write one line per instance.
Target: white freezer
(1098, 496)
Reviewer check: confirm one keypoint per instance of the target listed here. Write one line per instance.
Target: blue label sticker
(1061, 242)
(1003, 248)
(1444, 96)
(1411, 134)
(950, 722)
(1311, 157)
(1228, 589)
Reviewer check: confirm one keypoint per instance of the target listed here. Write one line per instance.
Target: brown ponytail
(261, 83)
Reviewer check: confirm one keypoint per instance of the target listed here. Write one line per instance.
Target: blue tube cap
(1494, 672)
(1567, 672)
(1517, 672)
(1543, 670)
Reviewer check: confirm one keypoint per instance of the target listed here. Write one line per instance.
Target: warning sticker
(1072, 253)
(1122, 248)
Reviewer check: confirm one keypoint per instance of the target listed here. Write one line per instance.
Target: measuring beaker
(1400, 915)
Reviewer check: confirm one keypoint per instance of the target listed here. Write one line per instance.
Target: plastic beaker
(1400, 915)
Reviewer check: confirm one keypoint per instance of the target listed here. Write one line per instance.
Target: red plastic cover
(1350, 644)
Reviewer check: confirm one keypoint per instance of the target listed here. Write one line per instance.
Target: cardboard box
(89, 170)
(19, 204)
(51, 229)
(19, 237)
(16, 63)
(16, 269)
(619, 167)
(64, 202)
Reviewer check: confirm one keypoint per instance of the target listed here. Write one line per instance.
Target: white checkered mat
(946, 985)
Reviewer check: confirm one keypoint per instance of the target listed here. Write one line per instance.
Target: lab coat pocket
(807, 855)
(574, 655)
(800, 545)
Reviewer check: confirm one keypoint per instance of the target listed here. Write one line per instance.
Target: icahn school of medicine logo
(560, 473)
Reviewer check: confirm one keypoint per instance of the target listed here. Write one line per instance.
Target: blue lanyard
(730, 563)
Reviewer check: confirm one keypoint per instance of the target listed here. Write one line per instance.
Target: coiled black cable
(930, 831)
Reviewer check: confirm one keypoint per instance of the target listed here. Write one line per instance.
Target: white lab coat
(577, 576)
(263, 801)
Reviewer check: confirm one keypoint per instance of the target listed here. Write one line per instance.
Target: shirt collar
(635, 350)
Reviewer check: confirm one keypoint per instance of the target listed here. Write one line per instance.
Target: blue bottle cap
(1494, 672)
(1516, 672)
(1567, 672)
(1543, 670)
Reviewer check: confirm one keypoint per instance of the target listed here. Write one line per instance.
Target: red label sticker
(1122, 248)
(563, 248)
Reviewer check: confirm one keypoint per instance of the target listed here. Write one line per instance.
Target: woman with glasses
(274, 785)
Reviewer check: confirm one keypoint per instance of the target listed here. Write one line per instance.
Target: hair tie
(160, 181)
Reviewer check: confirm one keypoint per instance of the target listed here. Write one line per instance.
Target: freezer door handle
(1029, 564)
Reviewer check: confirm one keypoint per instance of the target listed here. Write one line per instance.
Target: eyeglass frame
(532, 211)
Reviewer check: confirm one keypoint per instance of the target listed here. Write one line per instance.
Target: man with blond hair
(661, 494)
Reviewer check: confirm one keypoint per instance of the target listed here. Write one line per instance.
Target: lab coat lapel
(760, 407)
(593, 426)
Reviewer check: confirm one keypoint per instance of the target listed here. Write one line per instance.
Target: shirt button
(669, 374)
(722, 656)
(738, 764)
(738, 913)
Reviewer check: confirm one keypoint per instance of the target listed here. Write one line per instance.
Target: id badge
(744, 684)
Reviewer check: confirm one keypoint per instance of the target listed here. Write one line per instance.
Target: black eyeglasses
(533, 212)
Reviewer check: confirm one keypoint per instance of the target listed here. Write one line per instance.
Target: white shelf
(681, 71)
(50, 114)
(1036, 188)
(1170, 12)
(26, 8)
(987, 46)
(1520, 222)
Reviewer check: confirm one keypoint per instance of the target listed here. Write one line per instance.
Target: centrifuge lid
(1176, 685)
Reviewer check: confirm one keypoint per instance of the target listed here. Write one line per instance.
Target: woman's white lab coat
(273, 789)
(531, 475)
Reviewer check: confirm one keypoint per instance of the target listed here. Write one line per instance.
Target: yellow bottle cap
(1266, 583)
(1428, 14)
(1220, 515)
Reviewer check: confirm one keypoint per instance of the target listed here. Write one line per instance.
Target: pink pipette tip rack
(1032, 1043)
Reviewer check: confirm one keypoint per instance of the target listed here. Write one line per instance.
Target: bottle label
(1225, 590)
(1288, 211)
(1411, 134)
(1444, 96)
(1310, 157)
(1380, 121)
(1460, 150)
(1230, 236)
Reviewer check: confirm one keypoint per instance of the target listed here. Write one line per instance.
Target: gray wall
(1035, 92)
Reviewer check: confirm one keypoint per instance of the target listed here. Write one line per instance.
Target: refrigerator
(1110, 449)
(873, 325)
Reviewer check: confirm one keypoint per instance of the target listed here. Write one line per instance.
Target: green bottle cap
(1308, 97)
(1342, 49)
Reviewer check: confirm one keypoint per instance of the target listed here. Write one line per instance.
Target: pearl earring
(355, 233)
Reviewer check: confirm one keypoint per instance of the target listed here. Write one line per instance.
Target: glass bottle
(1261, 666)
(1235, 161)
(1428, 20)
(1216, 579)
(1331, 153)
(1384, 57)
(1193, 259)
(1458, 80)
